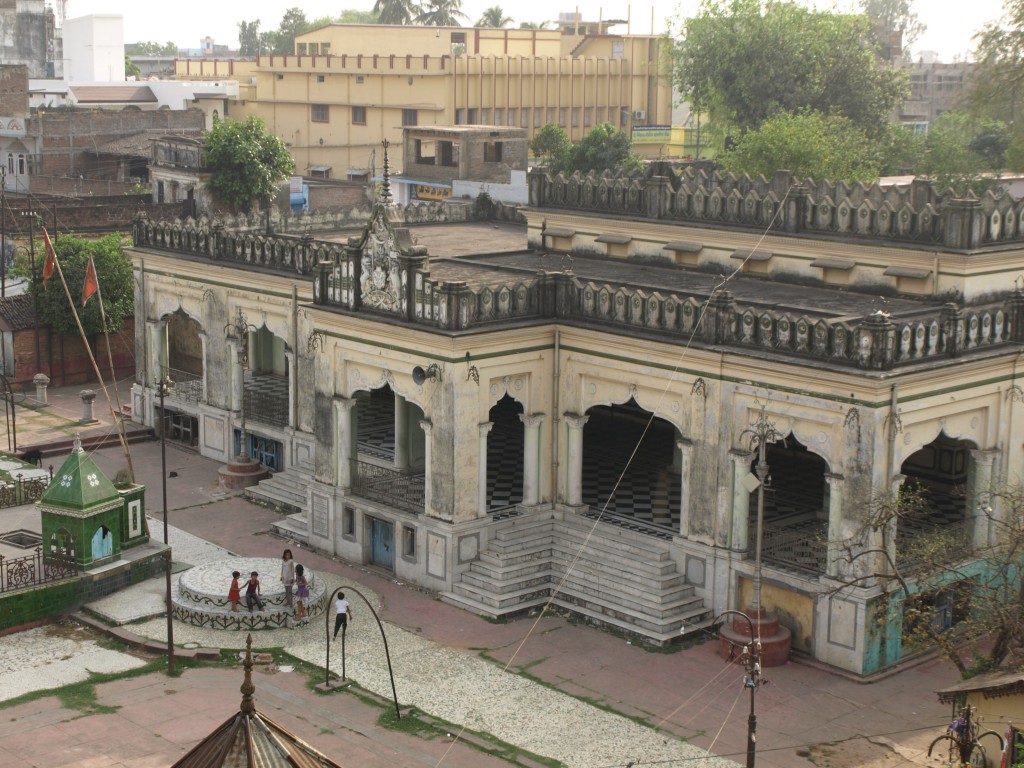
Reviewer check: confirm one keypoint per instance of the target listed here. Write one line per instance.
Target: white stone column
(344, 440)
(979, 497)
(891, 530)
(289, 358)
(531, 456)
(203, 340)
(426, 426)
(236, 376)
(684, 451)
(741, 490)
(574, 458)
(401, 433)
(835, 523)
(485, 429)
(156, 329)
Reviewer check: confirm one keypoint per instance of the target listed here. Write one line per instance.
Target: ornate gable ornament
(380, 282)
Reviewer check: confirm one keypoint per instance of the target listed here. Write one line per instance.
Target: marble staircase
(286, 490)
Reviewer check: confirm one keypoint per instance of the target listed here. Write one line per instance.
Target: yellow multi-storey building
(349, 86)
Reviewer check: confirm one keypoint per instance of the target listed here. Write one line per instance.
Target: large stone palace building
(473, 424)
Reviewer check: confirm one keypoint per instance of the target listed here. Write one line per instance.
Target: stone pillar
(979, 498)
(531, 456)
(835, 523)
(574, 458)
(236, 374)
(289, 358)
(428, 495)
(344, 440)
(88, 396)
(890, 530)
(485, 429)
(401, 433)
(203, 340)
(42, 381)
(684, 450)
(741, 490)
(157, 363)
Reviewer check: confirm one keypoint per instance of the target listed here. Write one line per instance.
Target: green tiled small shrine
(86, 520)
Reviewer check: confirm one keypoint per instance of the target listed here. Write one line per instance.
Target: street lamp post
(237, 331)
(162, 387)
(30, 215)
(751, 658)
(760, 433)
(387, 653)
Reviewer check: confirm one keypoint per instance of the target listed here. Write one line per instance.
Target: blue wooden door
(382, 541)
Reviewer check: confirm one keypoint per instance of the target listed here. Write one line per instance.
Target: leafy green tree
(114, 273)
(743, 61)
(962, 152)
(494, 17)
(246, 162)
(396, 11)
(603, 148)
(294, 23)
(997, 83)
(441, 13)
(895, 16)
(809, 144)
(131, 69)
(533, 25)
(249, 38)
(151, 49)
(551, 145)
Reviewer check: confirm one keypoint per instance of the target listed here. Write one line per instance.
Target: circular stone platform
(202, 595)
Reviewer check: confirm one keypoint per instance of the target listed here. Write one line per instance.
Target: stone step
(469, 603)
(663, 636)
(638, 544)
(574, 537)
(273, 496)
(556, 545)
(558, 560)
(293, 527)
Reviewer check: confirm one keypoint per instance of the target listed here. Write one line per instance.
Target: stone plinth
(775, 638)
(242, 472)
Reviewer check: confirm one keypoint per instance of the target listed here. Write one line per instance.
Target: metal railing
(400, 490)
(185, 385)
(794, 549)
(265, 408)
(31, 571)
(916, 541)
(22, 490)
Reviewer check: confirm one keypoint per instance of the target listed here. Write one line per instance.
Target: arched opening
(390, 451)
(185, 356)
(795, 508)
(936, 491)
(266, 378)
(102, 543)
(505, 456)
(631, 468)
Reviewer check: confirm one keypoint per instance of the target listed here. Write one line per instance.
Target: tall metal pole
(762, 474)
(31, 216)
(751, 658)
(162, 391)
(3, 230)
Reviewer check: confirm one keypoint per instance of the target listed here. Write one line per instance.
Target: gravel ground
(452, 684)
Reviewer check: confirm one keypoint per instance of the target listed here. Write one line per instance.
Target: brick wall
(14, 90)
(336, 196)
(64, 358)
(89, 214)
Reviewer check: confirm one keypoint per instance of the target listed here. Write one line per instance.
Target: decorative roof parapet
(915, 212)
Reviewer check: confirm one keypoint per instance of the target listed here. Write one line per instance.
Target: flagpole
(113, 375)
(88, 350)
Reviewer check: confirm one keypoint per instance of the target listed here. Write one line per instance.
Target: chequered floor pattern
(640, 488)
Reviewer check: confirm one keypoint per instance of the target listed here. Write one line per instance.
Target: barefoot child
(252, 592)
(235, 594)
(301, 592)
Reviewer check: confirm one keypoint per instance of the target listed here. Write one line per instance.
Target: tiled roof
(79, 486)
(17, 312)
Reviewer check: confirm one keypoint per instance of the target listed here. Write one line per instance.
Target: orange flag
(91, 283)
(51, 258)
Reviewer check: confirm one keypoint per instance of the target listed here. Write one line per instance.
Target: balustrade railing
(22, 490)
(185, 385)
(265, 407)
(400, 490)
(32, 570)
(792, 549)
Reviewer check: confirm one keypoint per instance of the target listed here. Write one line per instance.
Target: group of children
(293, 576)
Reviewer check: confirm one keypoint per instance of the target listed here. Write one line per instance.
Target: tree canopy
(810, 144)
(743, 61)
(249, 38)
(895, 16)
(494, 17)
(246, 162)
(113, 272)
(441, 13)
(602, 148)
(150, 48)
(997, 83)
(962, 152)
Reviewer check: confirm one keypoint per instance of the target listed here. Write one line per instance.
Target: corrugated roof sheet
(990, 685)
(112, 94)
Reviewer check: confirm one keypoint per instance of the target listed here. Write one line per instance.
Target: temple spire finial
(248, 705)
(77, 446)
(385, 187)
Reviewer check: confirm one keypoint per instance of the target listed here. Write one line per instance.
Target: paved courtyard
(570, 693)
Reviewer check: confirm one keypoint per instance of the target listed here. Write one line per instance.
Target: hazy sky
(951, 23)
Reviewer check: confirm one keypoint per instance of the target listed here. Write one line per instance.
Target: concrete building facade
(474, 424)
(347, 87)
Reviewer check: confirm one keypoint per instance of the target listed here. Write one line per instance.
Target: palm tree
(494, 17)
(534, 25)
(441, 13)
(396, 11)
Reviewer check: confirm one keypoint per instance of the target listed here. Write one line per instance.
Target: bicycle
(963, 740)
